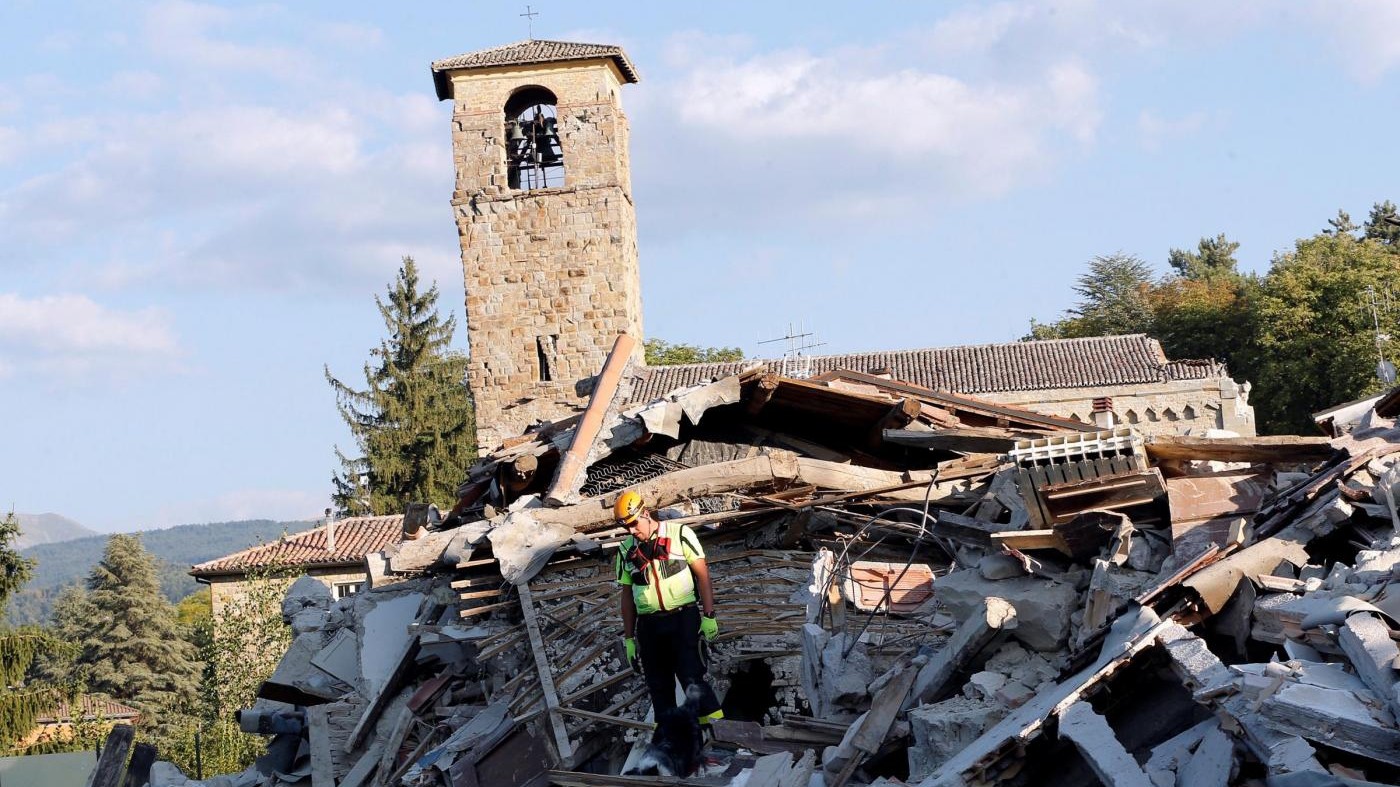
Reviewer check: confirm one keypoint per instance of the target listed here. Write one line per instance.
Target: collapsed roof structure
(913, 588)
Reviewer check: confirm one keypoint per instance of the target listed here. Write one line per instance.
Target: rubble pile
(912, 588)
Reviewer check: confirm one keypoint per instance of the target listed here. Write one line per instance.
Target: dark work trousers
(670, 649)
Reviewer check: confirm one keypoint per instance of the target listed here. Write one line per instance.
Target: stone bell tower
(543, 202)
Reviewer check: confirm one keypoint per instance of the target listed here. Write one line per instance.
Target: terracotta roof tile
(535, 51)
(354, 538)
(980, 368)
(94, 707)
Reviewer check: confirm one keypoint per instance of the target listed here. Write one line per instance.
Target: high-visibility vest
(658, 569)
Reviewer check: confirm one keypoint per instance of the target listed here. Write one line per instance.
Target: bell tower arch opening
(534, 151)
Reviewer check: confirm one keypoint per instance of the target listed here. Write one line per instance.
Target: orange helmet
(627, 507)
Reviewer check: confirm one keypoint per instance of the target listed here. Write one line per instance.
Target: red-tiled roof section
(980, 368)
(94, 707)
(354, 538)
(533, 51)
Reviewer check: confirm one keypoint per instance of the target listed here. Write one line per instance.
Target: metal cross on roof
(530, 21)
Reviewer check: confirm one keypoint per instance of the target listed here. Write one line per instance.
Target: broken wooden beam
(898, 417)
(563, 747)
(968, 439)
(569, 476)
(112, 760)
(1029, 539)
(1268, 449)
(762, 393)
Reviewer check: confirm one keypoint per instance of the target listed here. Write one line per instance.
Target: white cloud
(189, 34)
(1363, 33)
(1156, 131)
(72, 336)
(243, 196)
(850, 132)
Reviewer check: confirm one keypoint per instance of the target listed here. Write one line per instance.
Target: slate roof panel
(355, 537)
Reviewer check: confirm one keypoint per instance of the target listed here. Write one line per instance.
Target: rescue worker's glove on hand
(630, 645)
(709, 627)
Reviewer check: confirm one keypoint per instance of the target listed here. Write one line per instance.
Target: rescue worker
(667, 604)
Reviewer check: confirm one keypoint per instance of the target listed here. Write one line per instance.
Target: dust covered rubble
(1108, 609)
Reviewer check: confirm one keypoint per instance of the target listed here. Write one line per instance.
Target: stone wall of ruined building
(230, 590)
(1174, 407)
(551, 274)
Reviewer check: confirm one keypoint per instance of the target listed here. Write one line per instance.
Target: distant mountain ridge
(35, 529)
(177, 548)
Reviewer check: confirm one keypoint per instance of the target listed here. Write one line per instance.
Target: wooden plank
(562, 745)
(607, 719)
(1270, 449)
(608, 387)
(319, 734)
(972, 440)
(1029, 539)
(138, 771)
(112, 760)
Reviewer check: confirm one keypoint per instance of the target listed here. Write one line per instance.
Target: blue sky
(198, 201)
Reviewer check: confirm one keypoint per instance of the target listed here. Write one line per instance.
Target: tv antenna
(1385, 370)
(796, 362)
(530, 21)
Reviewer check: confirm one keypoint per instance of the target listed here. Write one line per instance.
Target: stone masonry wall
(227, 590)
(551, 274)
(1158, 408)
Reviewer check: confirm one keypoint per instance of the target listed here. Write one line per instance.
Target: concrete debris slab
(1099, 746)
(522, 545)
(988, 620)
(1212, 763)
(1043, 606)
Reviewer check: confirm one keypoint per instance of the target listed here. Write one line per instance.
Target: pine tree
(132, 646)
(1114, 297)
(19, 703)
(413, 421)
(1383, 224)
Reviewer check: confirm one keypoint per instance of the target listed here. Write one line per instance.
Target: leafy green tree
(412, 422)
(1383, 225)
(240, 650)
(131, 644)
(662, 353)
(1315, 332)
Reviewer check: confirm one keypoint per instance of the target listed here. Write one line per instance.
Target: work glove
(709, 627)
(630, 645)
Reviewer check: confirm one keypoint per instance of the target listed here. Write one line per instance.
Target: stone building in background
(334, 553)
(543, 205)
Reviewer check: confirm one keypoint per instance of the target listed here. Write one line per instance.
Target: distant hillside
(178, 548)
(35, 529)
